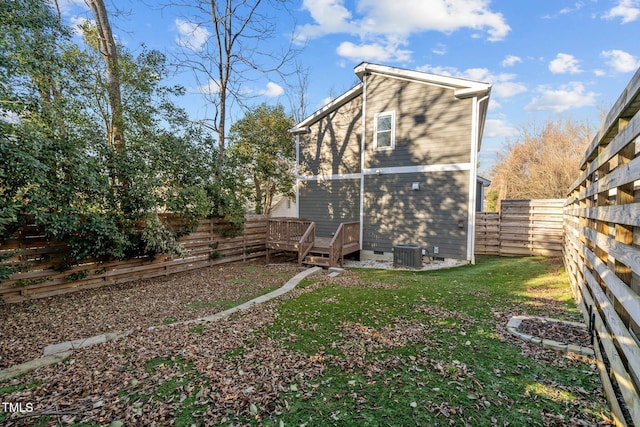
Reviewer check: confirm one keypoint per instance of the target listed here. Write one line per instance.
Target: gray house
(397, 153)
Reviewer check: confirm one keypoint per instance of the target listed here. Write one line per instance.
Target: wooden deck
(297, 235)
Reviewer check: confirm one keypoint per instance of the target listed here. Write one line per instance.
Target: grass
(461, 372)
(410, 348)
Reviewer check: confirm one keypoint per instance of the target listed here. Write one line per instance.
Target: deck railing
(299, 235)
(286, 229)
(347, 235)
(306, 242)
(336, 245)
(351, 233)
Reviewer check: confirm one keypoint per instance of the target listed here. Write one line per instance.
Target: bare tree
(224, 44)
(108, 48)
(541, 162)
(298, 93)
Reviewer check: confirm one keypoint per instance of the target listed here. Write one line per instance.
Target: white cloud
(190, 35)
(273, 90)
(627, 10)
(503, 85)
(577, 6)
(571, 95)
(497, 128)
(620, 60)
(445, 16)
(372, 52)
(565, 64)
(382, 24)
(511, 60)
(330, 17)
(443, 71)
(439, 49)
(506, 89)
(211, 88)
(77, 21)
(599, 73)
(66, 6)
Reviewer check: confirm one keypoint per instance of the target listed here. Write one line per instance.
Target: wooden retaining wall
(40, 257)
(602, 253)
(522, 227)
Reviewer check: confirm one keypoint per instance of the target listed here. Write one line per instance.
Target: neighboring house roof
(462, 88)
(483, 181)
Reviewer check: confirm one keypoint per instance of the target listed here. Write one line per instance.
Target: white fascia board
(297, 168)
(463, 88)
(303, 126)
(473, 179)
(479, 89)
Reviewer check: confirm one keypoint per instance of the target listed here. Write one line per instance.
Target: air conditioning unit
(407, 256)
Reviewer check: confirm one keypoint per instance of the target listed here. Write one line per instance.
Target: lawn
(369, 347)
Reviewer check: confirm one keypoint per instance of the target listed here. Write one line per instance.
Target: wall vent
(407, 256)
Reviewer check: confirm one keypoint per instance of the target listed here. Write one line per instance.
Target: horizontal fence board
(38, 257)
(522, 227)
(602, 253)
(628, 214)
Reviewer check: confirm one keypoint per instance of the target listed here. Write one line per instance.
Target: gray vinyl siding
(428, 217)
(333, 146)
(432, 126)
(329, 203)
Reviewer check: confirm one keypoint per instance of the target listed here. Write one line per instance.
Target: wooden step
(320, 250)
(317, 260)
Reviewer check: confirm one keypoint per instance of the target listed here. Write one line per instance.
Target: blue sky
(545, 58)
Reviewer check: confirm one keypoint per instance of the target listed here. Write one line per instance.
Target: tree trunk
(115, 135)
(269, 198)
(258, 196)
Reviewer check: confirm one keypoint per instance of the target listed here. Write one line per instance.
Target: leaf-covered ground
(28, 327)
(365, 348)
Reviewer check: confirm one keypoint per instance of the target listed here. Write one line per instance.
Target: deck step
(317, 260)
(321, 250)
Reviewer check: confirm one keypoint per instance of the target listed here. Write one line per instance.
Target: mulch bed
(556, 331)
(28, 327)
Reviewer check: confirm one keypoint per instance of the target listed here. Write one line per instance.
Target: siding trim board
(443, 167)
(329, 177)
(363, 152)
(473, 181)
(391, 171)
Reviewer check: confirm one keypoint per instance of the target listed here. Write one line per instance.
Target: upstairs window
(384, 137)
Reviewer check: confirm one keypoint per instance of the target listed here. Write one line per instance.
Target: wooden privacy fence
(602, 216)
(522, 227)
(41, 259)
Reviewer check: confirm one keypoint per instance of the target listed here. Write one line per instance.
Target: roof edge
(303, 126)
(463, 88)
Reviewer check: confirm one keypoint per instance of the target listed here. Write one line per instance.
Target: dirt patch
(556, 331)
(28, 327)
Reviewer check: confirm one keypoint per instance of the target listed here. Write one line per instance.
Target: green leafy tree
(263, 149)
(57, 157)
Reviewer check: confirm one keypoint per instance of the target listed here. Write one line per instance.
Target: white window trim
(392, 114)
